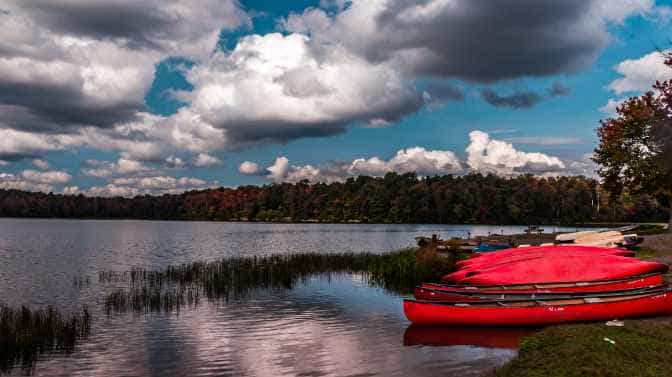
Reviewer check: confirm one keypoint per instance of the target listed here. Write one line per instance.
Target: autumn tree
(635, 150)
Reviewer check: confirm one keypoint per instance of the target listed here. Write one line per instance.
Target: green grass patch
(234, 277)
(641, 349)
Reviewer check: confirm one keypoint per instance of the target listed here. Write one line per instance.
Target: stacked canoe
(543, 285)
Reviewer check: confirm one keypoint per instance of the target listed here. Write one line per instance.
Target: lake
(322, 327)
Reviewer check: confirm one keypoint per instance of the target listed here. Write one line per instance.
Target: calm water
(339, 327)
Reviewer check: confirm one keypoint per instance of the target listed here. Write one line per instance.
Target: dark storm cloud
(558, 90)
(45, 108)
(517, 100)
(486, 41)
(443, 92)
(137, 22)
(243, 134)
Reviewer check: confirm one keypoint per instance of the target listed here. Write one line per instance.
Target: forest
(394, 198)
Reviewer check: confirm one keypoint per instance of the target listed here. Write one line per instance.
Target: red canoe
(605, 285)
(538, 313)
(559, 269)
(545, 250)
(489, 264)
(443, 295)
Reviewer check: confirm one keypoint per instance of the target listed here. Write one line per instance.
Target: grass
(175, 286)
(641, 349)
(26, 334)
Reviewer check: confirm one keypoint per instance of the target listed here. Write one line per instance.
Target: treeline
(393, 198)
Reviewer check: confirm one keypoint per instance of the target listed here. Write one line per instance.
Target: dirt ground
(660, 245)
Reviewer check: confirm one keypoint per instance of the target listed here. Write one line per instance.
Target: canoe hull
(596, 286)
(431, 313)
(427, 294)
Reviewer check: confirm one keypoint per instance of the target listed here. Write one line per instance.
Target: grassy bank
(26, 334)
(171, 288)
(640, 349)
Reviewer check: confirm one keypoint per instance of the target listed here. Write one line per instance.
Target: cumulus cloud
(48, 177)
(428, 37)
(66, 64)
(152, 185)
(250, 168)
(487, 155)
(206, 160)
(484, 155)
(32, 180)
(610, 107)
(13, 182)
(101, 169)
(302, 89)
(638, 75)
(41, 164)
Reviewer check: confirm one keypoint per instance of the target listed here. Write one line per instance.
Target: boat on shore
(428, 294)
(539, 312)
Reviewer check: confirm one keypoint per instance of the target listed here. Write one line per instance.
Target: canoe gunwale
(544, 295)
(502, 303)
(567, 284)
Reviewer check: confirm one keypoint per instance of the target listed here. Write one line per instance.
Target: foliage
(635, 150)
(641, 349)
(393, 198)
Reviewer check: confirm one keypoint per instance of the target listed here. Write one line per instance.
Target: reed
(26, 334)
(235, 277)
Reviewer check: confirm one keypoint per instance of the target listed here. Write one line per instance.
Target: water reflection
(490, 337)
(337, 327)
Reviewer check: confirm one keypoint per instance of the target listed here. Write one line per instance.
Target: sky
(120, 97)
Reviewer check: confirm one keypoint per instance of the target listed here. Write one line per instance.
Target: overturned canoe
(538, 313)
(559, 269)
(428, 294)
(508, 254)
(529, 258)
(631, 282)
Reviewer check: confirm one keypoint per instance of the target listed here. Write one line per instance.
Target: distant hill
(395, 198)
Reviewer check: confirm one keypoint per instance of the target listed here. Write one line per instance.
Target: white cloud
(13, 182)
(206, 160)
(484, 155)
(123, 166)
(638, 75)
(71, 190)
(175, 162)
(301, 85)
(611, 106)
(487, 155)
(48, 177)
(250, 168)
(41, 164)
(154, 185)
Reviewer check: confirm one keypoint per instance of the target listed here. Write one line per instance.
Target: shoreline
(640, 348)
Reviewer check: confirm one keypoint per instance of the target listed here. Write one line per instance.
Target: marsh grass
(26, 334)
(235, 277)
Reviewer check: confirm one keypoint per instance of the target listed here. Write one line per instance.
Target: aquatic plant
(26, 334)
(235, 277)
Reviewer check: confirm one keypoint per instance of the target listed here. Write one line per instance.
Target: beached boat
(631, 282)
(569, 268)
(539, 250)
(483, 264)
(537, 312)
(429, 294)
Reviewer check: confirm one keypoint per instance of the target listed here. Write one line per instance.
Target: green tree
(635, 150)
